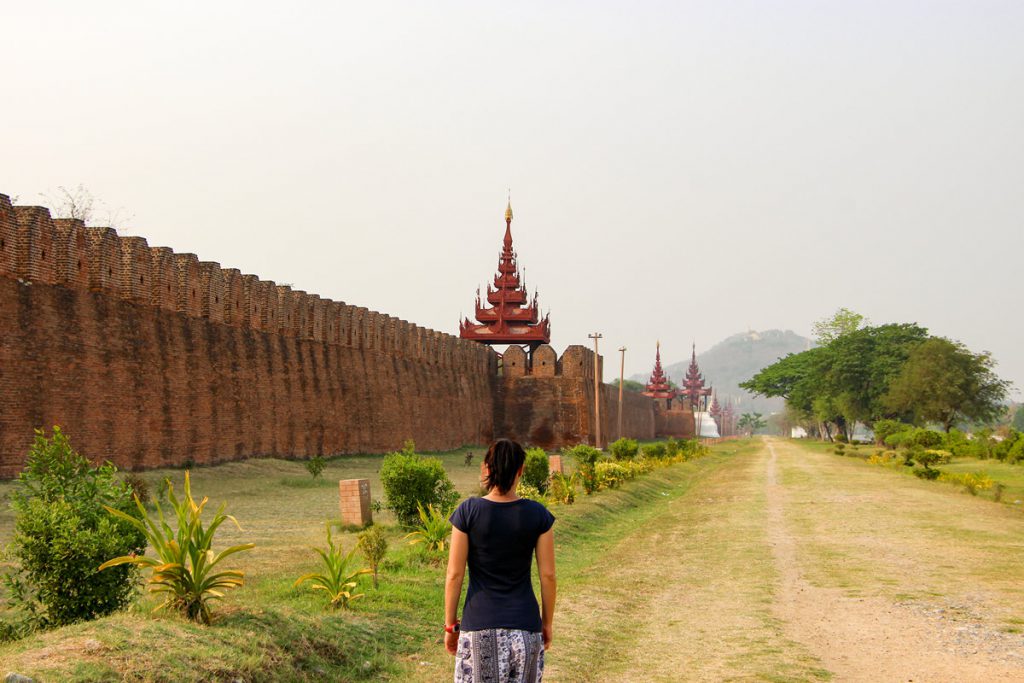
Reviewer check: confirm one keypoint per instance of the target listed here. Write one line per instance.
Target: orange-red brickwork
(150, 358)
(355, 501)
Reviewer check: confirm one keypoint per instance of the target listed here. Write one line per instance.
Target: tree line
(864, 373)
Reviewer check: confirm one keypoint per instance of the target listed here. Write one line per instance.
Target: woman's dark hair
(503, 460)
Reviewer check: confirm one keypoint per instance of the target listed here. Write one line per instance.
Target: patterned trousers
(499, 655)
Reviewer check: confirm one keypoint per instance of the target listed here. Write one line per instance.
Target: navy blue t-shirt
(502, 540)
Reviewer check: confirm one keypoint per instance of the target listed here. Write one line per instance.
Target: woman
(503, 634)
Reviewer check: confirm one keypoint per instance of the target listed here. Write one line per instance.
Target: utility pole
(597, 393)
(622, 379)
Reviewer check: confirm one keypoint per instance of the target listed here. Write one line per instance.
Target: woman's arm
(457, 554)
(546, 569)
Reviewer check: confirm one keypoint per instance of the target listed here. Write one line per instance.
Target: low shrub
(971, 481)
(655, 451)
(433, 532)
(62, 534)
(536, 469)
(610, 475)
(1016, 453)
(883, 429)
(562, 488)
(315, 466)
(586, 458)
(185, 565)
(374, 546)
(529, 491)
(338, 577)
(411, 481)
(624, 449)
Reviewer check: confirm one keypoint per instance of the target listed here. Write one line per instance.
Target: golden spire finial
(508, 209)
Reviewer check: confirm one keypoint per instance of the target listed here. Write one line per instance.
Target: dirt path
(787, 564)
(873, 637)
(863, 634)
(685, 597)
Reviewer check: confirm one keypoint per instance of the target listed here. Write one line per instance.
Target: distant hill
(737, 359)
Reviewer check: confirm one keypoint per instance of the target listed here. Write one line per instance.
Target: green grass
(1010, 476)
(270, 631)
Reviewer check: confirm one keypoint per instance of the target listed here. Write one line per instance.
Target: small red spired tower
(693, 385)
(716, 413)
(657, 385)
(510, 317)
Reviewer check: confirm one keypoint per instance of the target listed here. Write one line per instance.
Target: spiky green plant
(185, 565)
(337, 578)
(434, 529)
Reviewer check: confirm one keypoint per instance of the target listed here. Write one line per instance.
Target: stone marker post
(555, 464)
(355, 501)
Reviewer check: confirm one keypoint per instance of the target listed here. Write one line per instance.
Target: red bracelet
(454, 628)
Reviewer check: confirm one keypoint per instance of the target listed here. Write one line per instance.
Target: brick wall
(151, 358)
(551, 402)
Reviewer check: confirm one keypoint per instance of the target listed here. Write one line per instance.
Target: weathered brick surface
(354, 501)
(151, 358)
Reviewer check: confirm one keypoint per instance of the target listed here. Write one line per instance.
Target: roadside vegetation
(376, 596)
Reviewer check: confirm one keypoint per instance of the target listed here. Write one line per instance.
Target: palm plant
(337, 578)
(185, 565)
(434, 529)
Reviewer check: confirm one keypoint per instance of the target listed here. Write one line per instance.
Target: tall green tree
(843, 321)
(751, 422)
(942, 381)
(1018, 418)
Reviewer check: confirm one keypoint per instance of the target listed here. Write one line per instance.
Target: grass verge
(270, 631)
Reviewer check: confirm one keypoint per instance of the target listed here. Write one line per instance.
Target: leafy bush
(411, 481)
(563, 488)
(433, 531)
(692, 448)
(883, 429)
(926, 458)
(374, 547)
(62, 534)
(1016, 452)
(610, 475)
(184, 566)
(655, 451)
(586, 458)
(624, 449)
(840, 448)
(971, 481)
(525, 490)
(315, 466)
(926, 438)
(536, 469)
(338, 577)
(897, 439)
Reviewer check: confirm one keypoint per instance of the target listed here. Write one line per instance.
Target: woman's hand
(451, 642)
(545, 631)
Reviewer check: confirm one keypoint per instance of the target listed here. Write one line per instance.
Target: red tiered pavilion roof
(510, 317)
(693, 385)
(657, 385)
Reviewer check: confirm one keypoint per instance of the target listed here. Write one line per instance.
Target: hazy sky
(679, 170)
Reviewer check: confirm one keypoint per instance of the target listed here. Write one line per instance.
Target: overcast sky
(679, 171)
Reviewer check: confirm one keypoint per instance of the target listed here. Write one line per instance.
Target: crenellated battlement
(34, 247)
(577, 362)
